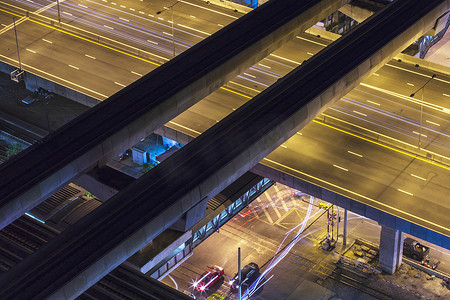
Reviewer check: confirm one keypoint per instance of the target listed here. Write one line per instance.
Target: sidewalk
(440, 53)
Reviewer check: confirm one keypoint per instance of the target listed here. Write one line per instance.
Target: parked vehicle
(248, 275)
(414, 249)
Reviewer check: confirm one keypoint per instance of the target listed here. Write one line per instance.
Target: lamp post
(17, 43)
(421, 106)
(59, 14)
(171, 15)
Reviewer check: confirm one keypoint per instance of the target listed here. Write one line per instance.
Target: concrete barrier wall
(33, 81)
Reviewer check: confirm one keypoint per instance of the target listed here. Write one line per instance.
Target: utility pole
(421, 107)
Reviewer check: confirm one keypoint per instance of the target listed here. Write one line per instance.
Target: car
(248, 275)
(414, 249)
(209, 278)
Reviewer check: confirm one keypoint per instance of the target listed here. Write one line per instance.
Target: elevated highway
(157, 98)
(132, 218)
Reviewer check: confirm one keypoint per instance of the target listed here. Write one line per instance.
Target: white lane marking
(109, 27)
(91, 57)
(356, 154)
(105, 0)
(212, 10)
(141, 12)
(185, 127)
(286, 59)
(415, 132)
(159, 18)
(167, 33)
(373, 102)
(205, 33)
(220, 25)
(113, 3)
(299, 133)
(152, 42)
(431, 122)
(376, 74)
(150, 15)
(411, 194)
(136, 73)
(309, 53)
(47, 41)
(32, 51)
(249, 75)
(84, 6)
(118, 83)
(76, 68)
(410, 84)
(193, 16)
(339, 167)
(446, 95)
(264, 66)
(67, 13)
(132, 9)
(123, 19)
(418, 177)
(359, 113)
(123, 6)
(176, 285)
(283, 146)
(311, 41)
(30, 1)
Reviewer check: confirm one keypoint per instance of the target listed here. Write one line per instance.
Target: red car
(209, 278)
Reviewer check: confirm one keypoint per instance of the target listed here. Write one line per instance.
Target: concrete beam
(136, 111)
(95, 245)
(375, 214)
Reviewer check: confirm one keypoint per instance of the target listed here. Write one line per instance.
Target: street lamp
(59, 14)
(17, 44)
(171, 14)
(421, 106)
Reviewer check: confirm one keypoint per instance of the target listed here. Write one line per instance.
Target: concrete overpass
(120, 227)
(45, 168)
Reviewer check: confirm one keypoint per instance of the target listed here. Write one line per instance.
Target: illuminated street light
(171, 14)
(421, 106)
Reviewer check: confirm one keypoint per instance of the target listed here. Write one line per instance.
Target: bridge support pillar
(391, 249)
(191, 217)
(102, 191)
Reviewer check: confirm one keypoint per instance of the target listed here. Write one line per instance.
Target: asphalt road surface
(380, 110)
